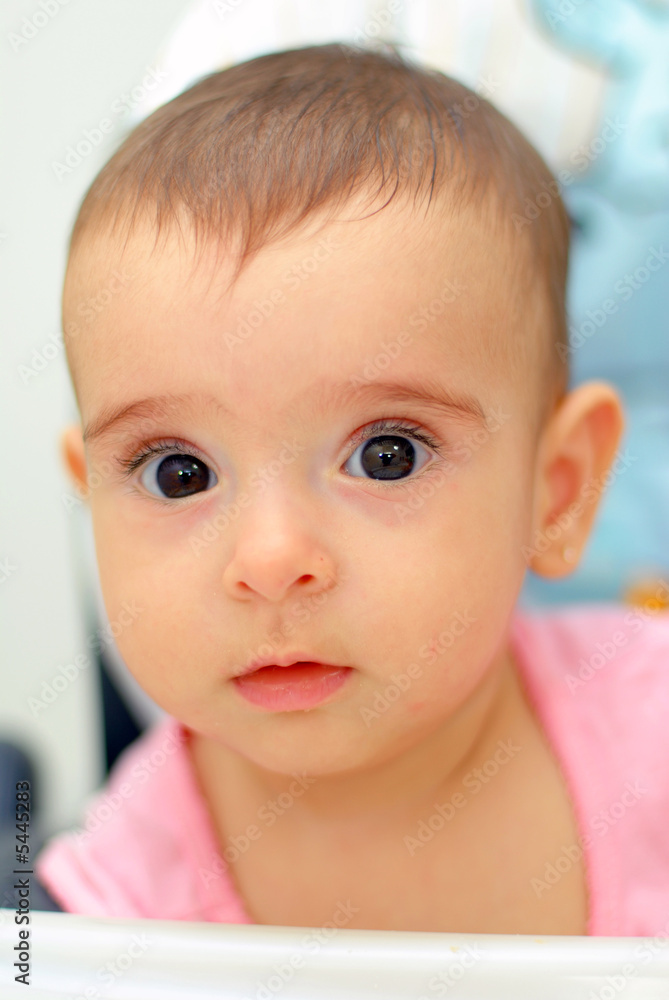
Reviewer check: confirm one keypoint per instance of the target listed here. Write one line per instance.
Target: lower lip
(285, 689)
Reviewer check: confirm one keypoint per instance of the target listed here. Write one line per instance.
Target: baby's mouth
(300, 685)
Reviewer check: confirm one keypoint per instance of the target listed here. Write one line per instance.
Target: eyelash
(177, 446)
(387, 427)
(169, 446)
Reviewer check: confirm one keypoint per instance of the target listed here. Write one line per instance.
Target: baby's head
(322, 381)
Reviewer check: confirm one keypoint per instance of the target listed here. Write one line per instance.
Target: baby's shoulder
(599, 679)
(144, 840)
(598, 676)
(595, 650)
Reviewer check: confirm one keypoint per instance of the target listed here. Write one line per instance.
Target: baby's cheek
(417, 707)
(142, 597)
(130, 561)
(160, 654)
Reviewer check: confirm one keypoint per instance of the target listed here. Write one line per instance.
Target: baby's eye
(177, 476)
(388, 456)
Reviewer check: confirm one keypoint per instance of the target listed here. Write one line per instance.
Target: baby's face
(281, 530)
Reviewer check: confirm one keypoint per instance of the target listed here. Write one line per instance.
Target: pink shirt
(598, 678)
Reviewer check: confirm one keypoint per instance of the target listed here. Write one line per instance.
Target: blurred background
(588, 83)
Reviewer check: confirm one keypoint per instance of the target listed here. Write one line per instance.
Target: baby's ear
(74, 455)
(575, 466)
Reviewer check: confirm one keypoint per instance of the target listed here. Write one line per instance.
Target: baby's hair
(247, 154)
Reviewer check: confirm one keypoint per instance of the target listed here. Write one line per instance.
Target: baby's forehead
(400, 280)
(396, 238)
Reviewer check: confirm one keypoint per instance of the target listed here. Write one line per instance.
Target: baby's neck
(394, 790)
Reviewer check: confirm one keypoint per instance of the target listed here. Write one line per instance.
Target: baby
(325, 431)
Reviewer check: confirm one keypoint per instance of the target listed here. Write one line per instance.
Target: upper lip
(285, 660)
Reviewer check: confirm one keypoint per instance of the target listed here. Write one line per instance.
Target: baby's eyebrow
(148, 408)
(427, 392)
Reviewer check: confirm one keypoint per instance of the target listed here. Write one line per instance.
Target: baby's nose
(278, 555)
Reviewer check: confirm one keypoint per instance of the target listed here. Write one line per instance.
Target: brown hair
(246, 154)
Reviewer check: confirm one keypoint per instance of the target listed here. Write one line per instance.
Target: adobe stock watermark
(460, 963)
(8, 906)
(400, 683)
(112, 799)
(267, 815)
(32, 25)
(375, 28)
(67, 674)
(88, 309)
(91, 138)
(601, 823)
(656, 945)
(7, 569)
(646, 953)
(116, 967)
(94, 480)
(608, 650)
(422, 489)
(589, 494)
(292, 278)
(259, 482)
(223, 7)
(99, 473)
(418, 321)
(561, 12)
(302, 611)
(473, 782)
(624, 289)
(484, 88)
(582, 158)
(312, 943)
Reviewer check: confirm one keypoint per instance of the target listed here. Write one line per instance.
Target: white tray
(90, 958)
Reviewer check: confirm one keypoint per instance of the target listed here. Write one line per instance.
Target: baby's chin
(318, 742)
